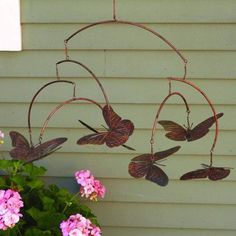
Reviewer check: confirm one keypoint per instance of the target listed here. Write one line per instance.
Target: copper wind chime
(118, 130)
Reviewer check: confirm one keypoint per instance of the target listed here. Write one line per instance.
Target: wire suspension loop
(114, 9)
(213, 111)
(59, 106)
(35, 96)
(154, 129)
(115, 21)
(89, 71)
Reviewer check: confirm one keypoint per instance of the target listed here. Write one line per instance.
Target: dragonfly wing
(202, 129)
(176, 131)
(157, 175)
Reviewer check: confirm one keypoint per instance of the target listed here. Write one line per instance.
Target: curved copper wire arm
(154, 130)
(89, 71)
(213, 111)
(58, 107)
(35, 96)
(115, 21)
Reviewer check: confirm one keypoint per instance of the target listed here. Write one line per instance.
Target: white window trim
(10, 27)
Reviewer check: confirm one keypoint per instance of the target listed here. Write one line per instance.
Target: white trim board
(10, 27)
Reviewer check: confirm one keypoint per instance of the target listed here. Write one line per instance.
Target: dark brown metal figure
(213, 173)
(180, 133)
(117, 134)
(24, 151)
(146, 165)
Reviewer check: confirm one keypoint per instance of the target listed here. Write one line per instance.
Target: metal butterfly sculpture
(117, 134)
(179, 133)
(213, 173)
(146, 165)
(23, 151)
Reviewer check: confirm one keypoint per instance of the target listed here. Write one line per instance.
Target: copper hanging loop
(212, 108)
(90, 72)
(154, 129)
(114, 9)
(35, 96)
(115, 21)
(170, 87)
(59, 106)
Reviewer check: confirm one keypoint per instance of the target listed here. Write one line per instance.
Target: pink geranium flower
(89, 187)
(77, 225)
(10, 204)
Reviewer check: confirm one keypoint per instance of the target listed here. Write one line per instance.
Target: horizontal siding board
(117, 231)
(114, 64)
(134, 91)
(93, 115)
(102, 164)
(123, 37)
(181, 192)
(134, 10)
(165, 215)
(139, 140)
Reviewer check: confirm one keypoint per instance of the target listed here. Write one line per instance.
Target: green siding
(132, 65)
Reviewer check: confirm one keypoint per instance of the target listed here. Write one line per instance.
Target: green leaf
(49, 220)
(35, 184)
(48, 203)
(35, 213)
(37, 232)
(33, 170)
(19, 180)
(3, 183)
(5, 164)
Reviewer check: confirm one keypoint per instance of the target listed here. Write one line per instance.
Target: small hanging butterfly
(117, 134)
(179, 133)
(146, 165)
(213, 173)
(23, 151)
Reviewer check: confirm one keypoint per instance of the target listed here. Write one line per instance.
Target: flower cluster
(77, 225)
(1, 137)
(90, 187)
(10, 204)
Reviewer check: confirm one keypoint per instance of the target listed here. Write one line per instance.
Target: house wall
(132, 65)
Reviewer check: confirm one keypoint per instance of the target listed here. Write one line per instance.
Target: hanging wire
(213, 111)
(35, 96)
(66, 41)
(89, 71)
(154, 129)
(59, 106)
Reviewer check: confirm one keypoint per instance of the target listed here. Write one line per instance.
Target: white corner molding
(10, 27)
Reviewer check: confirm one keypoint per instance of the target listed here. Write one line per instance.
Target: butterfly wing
(21, 146)
(203, 128)
(166, 153)
(45, 149)
(218, 173)
(97, 139)
(196, 174)
(140, 165)
(111, 118)
(115, 139)
(177, 132)
(157, 175)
